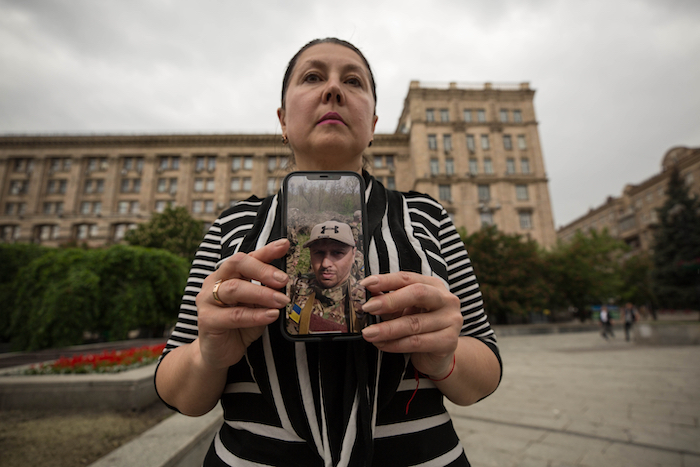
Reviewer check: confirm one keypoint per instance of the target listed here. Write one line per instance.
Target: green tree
(677, 247)
(65, 292)
(636, 276)
(174, 230)
(510, 271)
(586, 270)
(13, 257)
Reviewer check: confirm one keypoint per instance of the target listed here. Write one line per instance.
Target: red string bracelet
(454, 361)
(417, 376)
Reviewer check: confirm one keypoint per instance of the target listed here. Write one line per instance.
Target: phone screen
(323, 220)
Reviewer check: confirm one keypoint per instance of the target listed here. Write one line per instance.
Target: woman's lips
(331, 118)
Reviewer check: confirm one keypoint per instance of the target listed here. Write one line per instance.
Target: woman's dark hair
(327, 40)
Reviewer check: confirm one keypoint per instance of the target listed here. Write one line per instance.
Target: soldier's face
(331, 261)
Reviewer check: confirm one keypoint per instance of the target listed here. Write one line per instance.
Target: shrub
(65, 292)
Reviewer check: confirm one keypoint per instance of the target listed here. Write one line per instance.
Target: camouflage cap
(332, 230)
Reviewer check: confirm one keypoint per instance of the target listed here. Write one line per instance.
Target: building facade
(631, 217)
(476, 149)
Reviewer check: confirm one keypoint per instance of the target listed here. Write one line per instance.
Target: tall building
(631, 217)
(475, 148)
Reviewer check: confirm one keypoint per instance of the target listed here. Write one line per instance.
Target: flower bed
(113, 361)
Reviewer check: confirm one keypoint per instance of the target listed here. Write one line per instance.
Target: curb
(178, 441)
(132, 390)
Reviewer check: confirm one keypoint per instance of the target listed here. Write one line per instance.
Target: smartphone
(323, 218)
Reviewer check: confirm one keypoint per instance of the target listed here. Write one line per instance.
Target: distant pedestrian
(606, 322)
(629, 315)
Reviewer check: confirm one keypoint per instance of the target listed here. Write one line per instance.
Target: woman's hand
(420, 316)
(228, 327)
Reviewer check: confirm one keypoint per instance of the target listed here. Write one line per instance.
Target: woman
(377, 401)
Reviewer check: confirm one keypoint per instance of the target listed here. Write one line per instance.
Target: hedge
(62, 293)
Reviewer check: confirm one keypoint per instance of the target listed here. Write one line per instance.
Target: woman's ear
(281, 118)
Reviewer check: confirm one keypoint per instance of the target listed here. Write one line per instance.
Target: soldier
(329, 299)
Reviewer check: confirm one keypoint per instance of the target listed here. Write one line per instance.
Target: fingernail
(371, 306)
(280, 276)
(279, 242)
(281, 299)
(272, 313)
(371, 280)
(370, 332)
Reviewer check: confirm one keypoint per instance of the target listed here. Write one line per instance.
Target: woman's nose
(332, 92)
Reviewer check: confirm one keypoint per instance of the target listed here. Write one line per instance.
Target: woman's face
(329, 109)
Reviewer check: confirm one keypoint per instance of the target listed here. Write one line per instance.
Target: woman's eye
(312, 78)
(354, 82)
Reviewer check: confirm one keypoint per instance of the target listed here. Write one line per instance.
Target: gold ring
(215, 292)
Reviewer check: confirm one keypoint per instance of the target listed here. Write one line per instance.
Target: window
(198, 185)
(434, 167)
(199, 163)
(378, 162)
(503, 115)
(247, 184)
(429, 115)
(390, 161)
(121, 229)
(449, 166)
(521, 193)
(467, 113)
(173, 186)
(517, 116)
(97, 207)
(235, 163)
(209, 206)
(470, 143)
(485, 142)
(432, 142)
(134, 207)
(510, 165)
(248, 162)
(271, 186)
(211, 163)
(488, 165)
(445, 193)
(160, 205)
(444, 115)
(47, 232)
(284, 160)
(391, 183)
(9, 233)
(235, 184)
(162, 186)
(19, 187)
(210, 185)
(473, 166)
(85, 207)
(271, 163)
(125, 185)
(447, 142)
(94, 185)
(197, 206)
(481, 115)
(136, 185)
(163, 163)
(525, 165)
(85, 231)
(521, 142)
(139, 164)
(525, 220)
(95, 163)
(484, 192)
(507, 142)
(486, 218)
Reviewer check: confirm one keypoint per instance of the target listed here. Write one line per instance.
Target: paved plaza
(575, 399)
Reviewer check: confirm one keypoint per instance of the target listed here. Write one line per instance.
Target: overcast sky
(617, 82)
